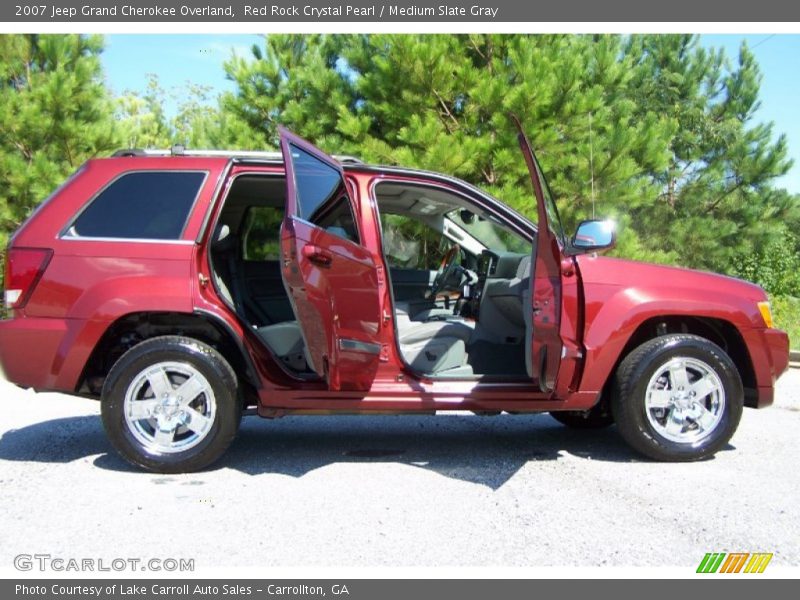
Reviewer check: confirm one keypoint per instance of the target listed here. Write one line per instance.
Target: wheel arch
(719, 331)
(133, 328)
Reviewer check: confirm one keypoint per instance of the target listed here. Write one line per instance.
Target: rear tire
(171, 405)
(677, 398)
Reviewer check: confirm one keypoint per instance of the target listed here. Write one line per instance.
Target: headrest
(222, 240)
(524, 267)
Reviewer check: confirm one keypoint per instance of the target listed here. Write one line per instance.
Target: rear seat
(284, 339)
(286, 342)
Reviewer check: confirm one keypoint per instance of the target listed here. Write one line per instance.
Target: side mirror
(595, 235)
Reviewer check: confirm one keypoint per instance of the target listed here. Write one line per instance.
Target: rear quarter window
(152, 205)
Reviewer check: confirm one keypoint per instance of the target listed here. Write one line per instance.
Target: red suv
(185, 289)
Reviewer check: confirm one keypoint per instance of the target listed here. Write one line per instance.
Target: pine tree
(442, 102)
(199, 122)
(141, 116)
(56, 113)
(652, 130)
(717, 202)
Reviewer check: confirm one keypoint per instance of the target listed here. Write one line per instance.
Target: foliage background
(652, 130)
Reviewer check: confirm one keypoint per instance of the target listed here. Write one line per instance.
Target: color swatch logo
(734, 562)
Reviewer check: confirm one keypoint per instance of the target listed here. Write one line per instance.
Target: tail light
(24, 269)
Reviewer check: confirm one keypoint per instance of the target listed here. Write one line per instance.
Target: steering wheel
(445, 270)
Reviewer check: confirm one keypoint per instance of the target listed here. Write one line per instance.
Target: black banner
(366, 11)
(374, 589)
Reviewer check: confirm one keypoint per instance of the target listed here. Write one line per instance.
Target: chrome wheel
(169, 407)
(685, 400)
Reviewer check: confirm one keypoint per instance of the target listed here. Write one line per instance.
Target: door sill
(493, 379)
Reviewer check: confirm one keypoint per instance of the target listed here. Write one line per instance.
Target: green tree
(652, 130)
(142, 119)
(199, 121)
(442, 103)
(56, 113)
(717, 202)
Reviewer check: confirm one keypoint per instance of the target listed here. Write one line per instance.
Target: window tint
(262, 237)
(322, 196)
(337, 219)
(147, 205)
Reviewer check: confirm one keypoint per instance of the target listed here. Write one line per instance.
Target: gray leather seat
(419, 332)
(221, 243)
(286, 342)
(435, 347)
(428, 347)
(432, 347)
(403, 311)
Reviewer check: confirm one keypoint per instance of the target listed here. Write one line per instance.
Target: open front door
(331, 279)
(543, 312)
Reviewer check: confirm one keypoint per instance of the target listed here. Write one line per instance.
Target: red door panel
(331, 280)
(545, 285)
(546, 306)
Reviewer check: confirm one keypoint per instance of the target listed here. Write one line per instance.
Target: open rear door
(331, 279)
(543, 339)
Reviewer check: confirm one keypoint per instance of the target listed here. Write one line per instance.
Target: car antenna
(591, 160)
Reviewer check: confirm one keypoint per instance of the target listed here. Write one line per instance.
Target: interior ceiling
(393, 198)
(251, 190)
(255, 190)
(399, 198)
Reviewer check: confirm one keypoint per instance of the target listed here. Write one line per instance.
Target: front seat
(435, 347)
(404, 312)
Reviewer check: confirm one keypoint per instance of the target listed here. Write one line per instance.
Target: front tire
(170, 405)
(677, 398)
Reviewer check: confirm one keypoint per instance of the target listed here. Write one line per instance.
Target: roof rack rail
(255, 154)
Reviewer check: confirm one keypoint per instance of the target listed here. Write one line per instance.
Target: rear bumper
(27, 350)
(46, 353)
(769, 352)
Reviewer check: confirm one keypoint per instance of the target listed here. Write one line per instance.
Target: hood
(617, 272)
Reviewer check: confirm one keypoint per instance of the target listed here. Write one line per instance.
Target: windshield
(488, 232)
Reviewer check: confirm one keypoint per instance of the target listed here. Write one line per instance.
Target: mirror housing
(594, 235)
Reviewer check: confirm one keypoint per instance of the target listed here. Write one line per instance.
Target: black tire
(219, 428)
(630, 389)
(597, 417)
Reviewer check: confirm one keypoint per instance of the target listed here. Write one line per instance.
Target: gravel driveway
(418, 491)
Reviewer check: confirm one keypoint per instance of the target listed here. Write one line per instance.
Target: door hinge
(384, 355)
(203, 280)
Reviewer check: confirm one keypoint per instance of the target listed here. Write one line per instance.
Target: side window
(322, 196)
(411, 244)
(262, 236)
(145, 205)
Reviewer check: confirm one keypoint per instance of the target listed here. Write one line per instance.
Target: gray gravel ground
(413, 491)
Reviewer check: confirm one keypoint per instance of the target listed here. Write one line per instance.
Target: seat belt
(242, 299)
(236, 290)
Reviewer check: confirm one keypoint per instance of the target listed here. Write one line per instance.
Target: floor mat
(487, 358)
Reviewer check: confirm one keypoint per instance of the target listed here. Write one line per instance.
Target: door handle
(318, 256)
